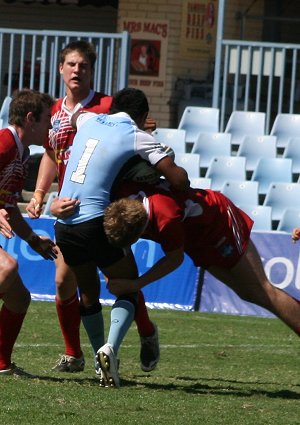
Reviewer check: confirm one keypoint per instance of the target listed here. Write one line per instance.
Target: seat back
(209, 145)
(197, 119)
(200, 182)
(269, 170)
(242, 123)
(254, 147)
(51, 196)
(4, 112)
(190, 162)
(223, 168)
(292, 150)
(290, 219)
(284, 127)
(241, 191)
(173, 137)
(260, 214)
(281, 196)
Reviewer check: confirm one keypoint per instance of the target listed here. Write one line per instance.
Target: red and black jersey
(13, 167)
(62, 133)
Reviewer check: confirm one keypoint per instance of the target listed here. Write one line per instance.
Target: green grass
(214, 369)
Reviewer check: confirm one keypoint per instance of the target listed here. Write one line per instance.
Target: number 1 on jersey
(78, 176)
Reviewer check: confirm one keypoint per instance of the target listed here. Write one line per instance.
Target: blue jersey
(102, 146)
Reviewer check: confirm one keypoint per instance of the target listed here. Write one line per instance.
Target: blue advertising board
(187, 288)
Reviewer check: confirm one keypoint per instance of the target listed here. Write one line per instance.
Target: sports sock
(92, 320)
(144, 325)
(10, 326)
(69, 320)
(122, 315)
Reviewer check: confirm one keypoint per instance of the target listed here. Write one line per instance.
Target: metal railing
(257, 76)
(30, 58)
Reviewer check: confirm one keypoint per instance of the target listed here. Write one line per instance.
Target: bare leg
(249, 281)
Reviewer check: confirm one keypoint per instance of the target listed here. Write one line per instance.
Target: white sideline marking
(175, 346)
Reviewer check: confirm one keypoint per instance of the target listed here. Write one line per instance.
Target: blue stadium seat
(190, 162)
(270, 170)
(241, 191)
(222, 168)
(198, 119)
(281, 196)
(51, 196)
(254, 147)
(260, 214)
(292, 150)
(243, 123)
(173, 137)
(284, 127)
(289, 220)
(200, 182)
(209, 145)
(4, 112)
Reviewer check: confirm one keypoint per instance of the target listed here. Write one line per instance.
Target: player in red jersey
(205, 225)
(29, 119)
(76, 66)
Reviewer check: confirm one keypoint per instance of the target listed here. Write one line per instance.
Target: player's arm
(176, 176)
(5, 227)
(296, 234)
(164, 266)
(42, 245)
(46, 175)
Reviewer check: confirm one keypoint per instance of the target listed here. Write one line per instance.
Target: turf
(214, 369)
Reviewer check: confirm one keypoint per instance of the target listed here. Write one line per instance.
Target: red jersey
(205, 223)
(13, 167)
(62, 133)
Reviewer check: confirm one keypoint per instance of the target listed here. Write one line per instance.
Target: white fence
(30, 58)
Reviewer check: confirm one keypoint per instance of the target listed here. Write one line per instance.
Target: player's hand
(5, 227)
(120, 287)
(34, 208)
(43, 246)
(150, 125)
(64, 207)
(296, 234)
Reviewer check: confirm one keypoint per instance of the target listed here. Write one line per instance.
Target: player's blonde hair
(124, 221)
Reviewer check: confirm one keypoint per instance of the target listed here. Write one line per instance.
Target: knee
(133, 299)
(8, 272)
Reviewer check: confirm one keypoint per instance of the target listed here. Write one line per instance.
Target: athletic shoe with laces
(109, 366)
(69, 364)
(150, 352)
(14, 370)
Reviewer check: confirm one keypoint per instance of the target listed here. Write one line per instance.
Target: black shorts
(85, 242)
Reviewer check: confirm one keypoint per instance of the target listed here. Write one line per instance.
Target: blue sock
(94, 326)
(121, 317)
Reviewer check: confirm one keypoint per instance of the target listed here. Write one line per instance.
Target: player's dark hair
(83, 47)
(25, 101)
(132, 101)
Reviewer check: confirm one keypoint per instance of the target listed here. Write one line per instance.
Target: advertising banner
(149, 40)
(187, 288)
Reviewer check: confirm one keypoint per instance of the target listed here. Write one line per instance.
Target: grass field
(214, 369)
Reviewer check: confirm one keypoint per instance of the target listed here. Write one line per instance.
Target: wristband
(40, 190)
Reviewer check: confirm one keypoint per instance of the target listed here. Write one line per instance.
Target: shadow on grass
(215, 386)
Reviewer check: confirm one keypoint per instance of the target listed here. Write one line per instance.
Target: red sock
(142, 320)
(10, 326)
(69, 320)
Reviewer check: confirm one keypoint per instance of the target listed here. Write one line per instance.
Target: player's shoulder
(57, 105)
(100, 103)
